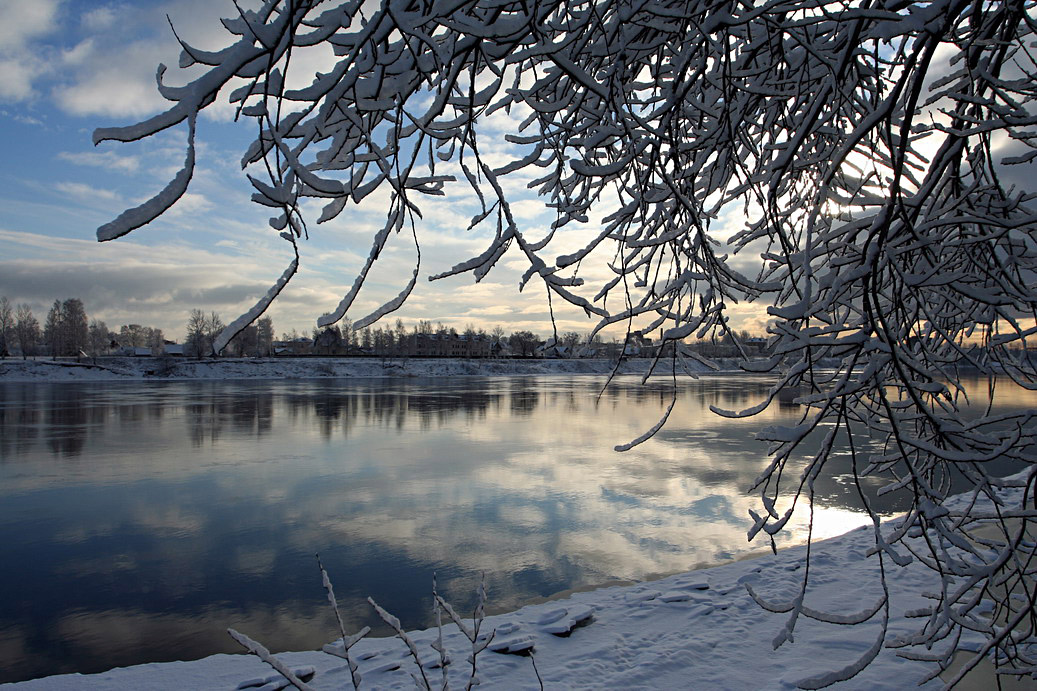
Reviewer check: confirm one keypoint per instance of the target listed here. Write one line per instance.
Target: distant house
(755, 345)
(328, 342)
(638, 345)
(133, 351)
(173, 349)
(591, 350)
(476, 346)
(298, 346)
(447, 345)
(553, 350)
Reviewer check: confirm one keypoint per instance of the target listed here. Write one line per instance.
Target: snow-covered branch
(864, 145)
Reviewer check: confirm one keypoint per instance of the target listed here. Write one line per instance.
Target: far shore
(178, 368)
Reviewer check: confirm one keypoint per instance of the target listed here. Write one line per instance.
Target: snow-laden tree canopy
(866, 144)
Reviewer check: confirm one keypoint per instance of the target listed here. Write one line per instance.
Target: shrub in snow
(341, 647)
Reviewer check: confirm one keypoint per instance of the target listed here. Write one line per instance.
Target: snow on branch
(867, 152)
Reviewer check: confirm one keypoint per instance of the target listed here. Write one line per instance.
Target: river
(139, 520)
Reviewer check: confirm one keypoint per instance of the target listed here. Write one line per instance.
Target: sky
(70, 66)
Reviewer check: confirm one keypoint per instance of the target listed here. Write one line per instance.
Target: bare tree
(401, 337)
(265, 336)
(214, 327)
(245, 343)
(156, 340)
(138, 336)
(381, 341)
(199, 334)
(7, 323)
(571, 339)
(75, 326)
(865, 145)
(132, 335)
(348, 335)
(66, 328)
(26, 330)
(99, 338)
(523, 343)
(53, 333)
(203, 334)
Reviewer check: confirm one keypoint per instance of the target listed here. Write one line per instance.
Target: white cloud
(22, 22)
(103, 61)
(106, 57)
(110, 53)
(100, 18)
(79, 53)
(85, 192)
(191, 203)
(16, 76)
(127, 281)
(26, 120)
(104, 64)
(104, 86)
(21, 63)
(109, 160)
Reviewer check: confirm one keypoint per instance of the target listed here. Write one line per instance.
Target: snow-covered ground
(127, 368)
(698, 630)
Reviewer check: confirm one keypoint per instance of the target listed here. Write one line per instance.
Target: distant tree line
(129, 336)
(397, 340)
(66, 331)
(391, 341)
(255, 340)
(18, 329)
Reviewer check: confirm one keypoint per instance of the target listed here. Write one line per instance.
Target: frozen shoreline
(698, 629)
(169, 368)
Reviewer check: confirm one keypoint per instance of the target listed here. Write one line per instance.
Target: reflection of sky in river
(138, 521)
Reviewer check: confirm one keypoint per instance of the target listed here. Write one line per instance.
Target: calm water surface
(138, 521)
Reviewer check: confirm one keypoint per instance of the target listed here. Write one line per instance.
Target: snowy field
(127, 368)
(699, 630)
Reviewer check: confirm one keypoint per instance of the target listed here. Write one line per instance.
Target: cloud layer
(67, 69)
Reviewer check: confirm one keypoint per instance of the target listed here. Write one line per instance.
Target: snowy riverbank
(127, 368)
(699, 629)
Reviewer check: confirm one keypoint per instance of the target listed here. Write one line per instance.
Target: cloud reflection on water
(170, 511)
